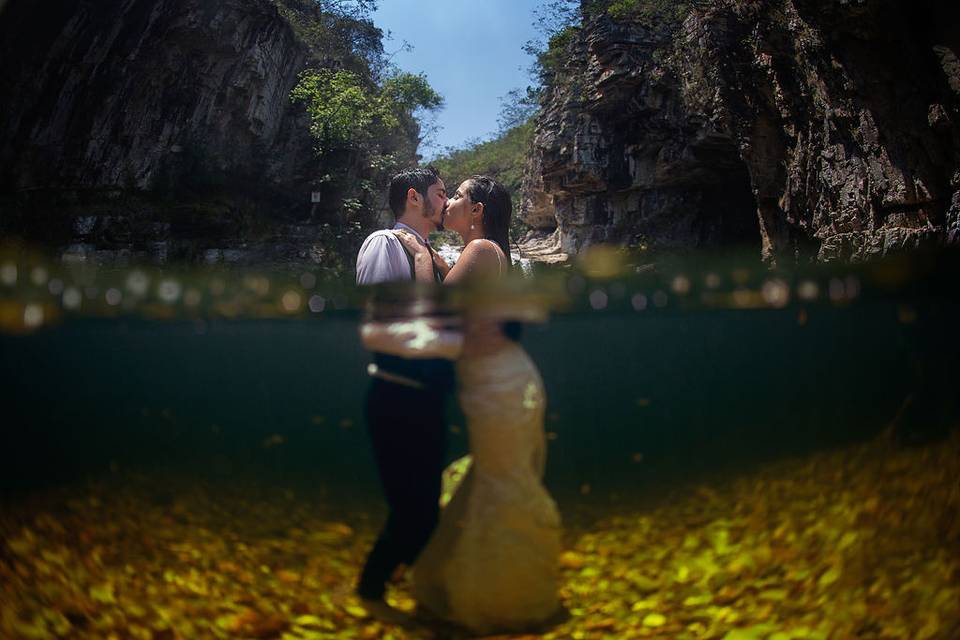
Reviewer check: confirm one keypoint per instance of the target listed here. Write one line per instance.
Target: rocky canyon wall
(798, 128)
(157, 129)
(139, 93)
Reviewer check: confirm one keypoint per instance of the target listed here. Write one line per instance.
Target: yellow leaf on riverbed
(103, 594)
(571, 560)
(640, 605)
(654, 620)
(829, 576)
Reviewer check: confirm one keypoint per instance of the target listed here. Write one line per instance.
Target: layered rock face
(140, 92)
(800, 128)
(104, 102)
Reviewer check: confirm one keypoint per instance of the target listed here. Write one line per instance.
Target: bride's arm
(441, 265)
(414, 338)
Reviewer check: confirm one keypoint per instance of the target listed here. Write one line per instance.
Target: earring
(472, 227)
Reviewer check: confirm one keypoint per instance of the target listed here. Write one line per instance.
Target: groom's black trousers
(408, 433)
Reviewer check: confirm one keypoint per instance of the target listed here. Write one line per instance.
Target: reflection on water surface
(35, 291)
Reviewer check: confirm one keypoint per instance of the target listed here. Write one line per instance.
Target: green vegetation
(363, 133)
(653, 13)
(364, 114)
(340, 32)
(346, 113)
(359, 105)
(502, 158)
(556, 23)
(549, 59)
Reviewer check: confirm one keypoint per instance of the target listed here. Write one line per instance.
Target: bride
(491, 565)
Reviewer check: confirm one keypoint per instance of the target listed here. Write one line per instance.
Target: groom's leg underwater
(408, 434)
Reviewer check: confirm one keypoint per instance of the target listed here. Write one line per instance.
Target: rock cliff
(137, 93)
(800, 128)
(158, 128)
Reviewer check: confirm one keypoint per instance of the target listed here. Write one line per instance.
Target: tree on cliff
(364, 114)
(346, 113)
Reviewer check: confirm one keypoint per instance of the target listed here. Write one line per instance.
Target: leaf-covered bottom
(854, 543)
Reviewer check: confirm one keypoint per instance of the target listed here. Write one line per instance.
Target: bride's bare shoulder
(479, 257)
(481, 251)
(481, 245)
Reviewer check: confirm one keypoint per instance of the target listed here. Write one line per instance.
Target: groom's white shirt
(382, 258)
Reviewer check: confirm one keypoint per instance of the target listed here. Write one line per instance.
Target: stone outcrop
(800, 128)
(139, 93)
(159, 128)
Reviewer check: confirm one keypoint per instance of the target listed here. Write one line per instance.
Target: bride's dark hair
(497, 210)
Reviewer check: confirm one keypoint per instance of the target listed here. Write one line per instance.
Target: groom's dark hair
(420, 179)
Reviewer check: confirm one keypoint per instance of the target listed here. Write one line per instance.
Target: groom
(406, 399)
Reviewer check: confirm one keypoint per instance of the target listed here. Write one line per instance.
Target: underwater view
(514, 319)
(735, 452)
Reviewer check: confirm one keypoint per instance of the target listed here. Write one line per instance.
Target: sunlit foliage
(366, 118)
(340, 31)
(555, 21)
(409, 92)
(347, 113)
(653, 13)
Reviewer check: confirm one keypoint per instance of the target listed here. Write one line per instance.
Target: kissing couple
(487, 561)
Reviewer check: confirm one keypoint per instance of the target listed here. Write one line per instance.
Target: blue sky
(471, 52)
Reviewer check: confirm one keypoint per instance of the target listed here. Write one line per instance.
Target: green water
(648, 378)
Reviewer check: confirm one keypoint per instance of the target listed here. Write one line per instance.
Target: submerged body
(491, 564)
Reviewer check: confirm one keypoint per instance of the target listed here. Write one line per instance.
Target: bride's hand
(440, 264)
(410, 242)
(422, 256)
(428, 337)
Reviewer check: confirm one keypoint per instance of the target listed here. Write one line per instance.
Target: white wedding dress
(491, 565)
